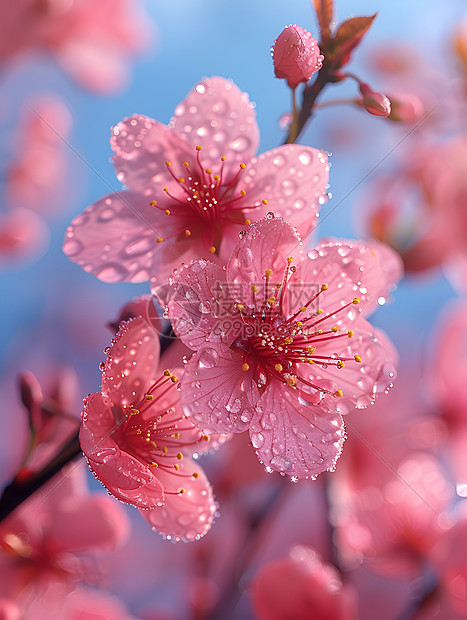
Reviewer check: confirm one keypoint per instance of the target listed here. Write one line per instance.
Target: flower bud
(296, 55)
(406, 108)
(374, 103)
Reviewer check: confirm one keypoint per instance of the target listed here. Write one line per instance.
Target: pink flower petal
(292, 438)
(351, 270)
(266, 245)
(115, 238)
(95, 522)
(293, 179)
(187, 516)
(219, 117)
(124, 476)
(219, 398)
(197, 301)
(131, 363)
(142, 147)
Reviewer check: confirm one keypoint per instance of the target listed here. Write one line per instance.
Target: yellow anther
(268, 273)
(174, 379)
(139, 431)
(319, 311)
(179, 456)
(247, 222)
(199, 148)
(242, 192)
(311, 350)
(168, 163)
(339, 393)
(340, 364)
(176, 466)
(254, 288)
(245, 367)
(167, 212)
(239, 307)
(182, 491)
(324, 287)
(206, 437)
(217, 177)
(291, 381)
(159, 240)
(208, 170)
(264, 201)
(320, 331)
(181, 180)
(134, 411)
(165, 189)
(167, 373)
(271, 301)
(357, 358)
(222, 158)
(177, 435)
(153, 203)
(242, 166)
(186, 164)
(153, 465)
(279, 367)
(195, 474)
(165, 449)
(355, 300)
(299, 323)
(350, 333)
(302, 309)
(212, 249)
(288, 340)
(334, 329)
(187, 233)
(289, 259)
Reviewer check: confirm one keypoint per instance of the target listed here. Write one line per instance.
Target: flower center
(274, 345)
(155, 433)
(205, 201)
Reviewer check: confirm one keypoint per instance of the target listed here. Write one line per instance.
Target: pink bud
(406, 107)
(296, 55)
(374, 103)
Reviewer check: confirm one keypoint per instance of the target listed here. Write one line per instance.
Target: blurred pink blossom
(296, 55)
(245, 375)
(93, 41)
(37, 176)
(138, 442)
(24, 238)
(186, 202)
(302, 587)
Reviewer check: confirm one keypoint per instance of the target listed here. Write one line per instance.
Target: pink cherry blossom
(283, 350)
(394, 523)
(24, 237)
(37, 173)
(92, 41)
(296, 55)
(138, 442)
(189, 191)
(50, 537)
(300, 587)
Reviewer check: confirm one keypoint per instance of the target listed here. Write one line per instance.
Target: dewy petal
(124, 476)
(198, 302)
(131, 363)
(351, 269)
(293, 179)
(216, 393)
(115, 238)
(219, 117)
(266, 245)
(188, 515)
(360, 382)
(294, 438)
(142, 146)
